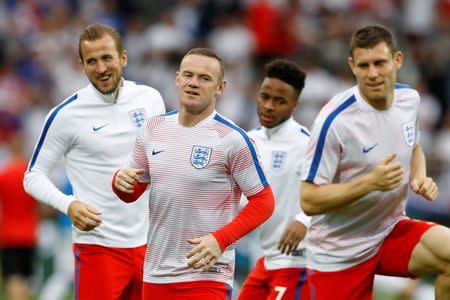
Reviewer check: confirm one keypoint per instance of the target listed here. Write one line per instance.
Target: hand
(126, 179)
(205, 253)
(83, 216)
(292, 236)
(425, 187)
(387, 175)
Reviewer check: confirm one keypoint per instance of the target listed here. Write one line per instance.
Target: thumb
(139, 171)
(93, 210)
(193, 241)
(415, 185)
(389, 158)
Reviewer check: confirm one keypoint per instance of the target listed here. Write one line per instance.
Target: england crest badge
(200, 156)
(409, 133)
(137, 117)
(278, 161)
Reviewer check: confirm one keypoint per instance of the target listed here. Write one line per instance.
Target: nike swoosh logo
(365, 150)
(100, 127)
(156, 152)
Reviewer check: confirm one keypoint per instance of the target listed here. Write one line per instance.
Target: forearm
(303, 218)
(319, 199)
(40, 187)
(257, 211)
(139, 189)
(418, 166)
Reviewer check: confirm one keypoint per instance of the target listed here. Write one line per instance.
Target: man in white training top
(281, 143)
(93, 130)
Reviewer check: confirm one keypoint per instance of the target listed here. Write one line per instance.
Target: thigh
(432, 252)
(100, 272)
(203, 290)
(256, 286)
(157, 291)
(134, 287)
(398, 247)
(199, 290)
(288, 284)
(355, 283)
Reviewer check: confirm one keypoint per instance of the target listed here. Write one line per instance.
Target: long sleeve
(259, 208)
(50, 148)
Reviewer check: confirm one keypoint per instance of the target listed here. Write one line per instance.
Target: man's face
(102, 64)
(376, 72)
(198, 83)
(276, 102)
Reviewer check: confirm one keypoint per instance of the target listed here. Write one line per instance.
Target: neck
(190, 119)
(380, 104)
(116, 92)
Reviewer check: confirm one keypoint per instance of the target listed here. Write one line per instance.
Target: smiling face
(276, 102)
(103, 64)
(199, 83)
(376, 72)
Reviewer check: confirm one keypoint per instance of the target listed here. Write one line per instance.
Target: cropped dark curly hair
(287, 71)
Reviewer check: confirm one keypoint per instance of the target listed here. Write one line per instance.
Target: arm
(294, 233)
(259, 208)
(418, 180)
(126, 182)
(126, 185)
(51, 146)
(319, 199)
(54, 141)
(210, 247)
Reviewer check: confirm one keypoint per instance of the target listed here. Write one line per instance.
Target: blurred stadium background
(39, 69)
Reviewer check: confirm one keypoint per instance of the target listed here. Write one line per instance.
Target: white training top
(95, 134)
(282, 150)
(196, 176)
(349, 138)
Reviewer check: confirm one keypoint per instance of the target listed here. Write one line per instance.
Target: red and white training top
(196, 175)
(348, 139)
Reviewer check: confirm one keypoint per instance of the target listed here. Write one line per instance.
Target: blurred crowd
(39, 58)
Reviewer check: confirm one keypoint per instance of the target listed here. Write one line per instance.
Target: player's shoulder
(302, 131)
(66, 106)
(137, 89)
(256, 132)
(341, 104)
(228, 131)
(406, 93)
(160, 120)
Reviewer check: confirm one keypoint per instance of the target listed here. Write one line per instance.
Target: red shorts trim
(357, 282)
(286, 284)
(108, 273)
(199, 290)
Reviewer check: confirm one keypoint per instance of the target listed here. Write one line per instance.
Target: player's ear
(398, 59)
(221, 87)
(351, 64)
(124, 58)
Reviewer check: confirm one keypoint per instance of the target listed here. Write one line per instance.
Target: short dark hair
(287, 71)
(209, 53)
(97, 31)
(370, 36)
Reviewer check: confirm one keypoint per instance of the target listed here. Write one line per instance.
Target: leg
(203, 290)
(256, 286)
(100, 272)
(134, 287)
(432, 255)
(288, 284)
(355, 283)
(199, 290)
